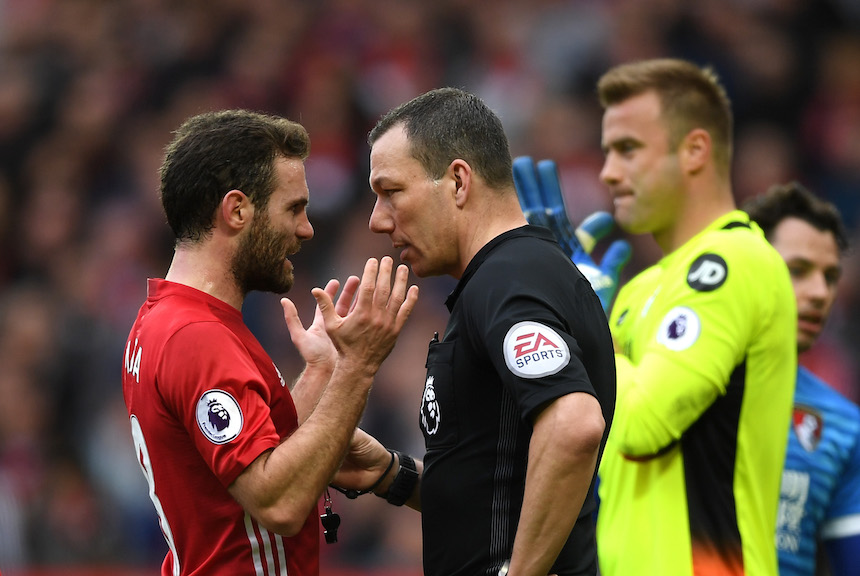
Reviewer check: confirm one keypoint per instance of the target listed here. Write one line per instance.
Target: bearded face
(261, 262)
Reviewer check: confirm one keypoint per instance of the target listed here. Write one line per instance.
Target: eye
(626, 147)
(796, 271)
(832, 277)
(297, 208)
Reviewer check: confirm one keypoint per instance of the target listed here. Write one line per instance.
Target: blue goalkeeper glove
(539, 191)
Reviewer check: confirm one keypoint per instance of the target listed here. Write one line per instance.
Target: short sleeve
(209, 380)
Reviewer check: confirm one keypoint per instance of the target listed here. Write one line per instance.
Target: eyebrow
(809, 263)
(618, 142)
(298, 202)
(380, 181)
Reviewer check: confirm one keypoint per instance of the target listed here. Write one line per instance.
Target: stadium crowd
(90, 90)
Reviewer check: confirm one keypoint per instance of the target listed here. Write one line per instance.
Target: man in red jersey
(235, 460)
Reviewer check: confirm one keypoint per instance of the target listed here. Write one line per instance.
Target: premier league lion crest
(679, 329)
(219, 416)
(430, 416)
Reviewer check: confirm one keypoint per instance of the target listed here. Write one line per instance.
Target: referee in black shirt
(520, 390)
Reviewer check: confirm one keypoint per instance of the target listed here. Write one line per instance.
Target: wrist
(357, 368)
(400, 489)
(321, 366)
(381, 489)
(352, 494)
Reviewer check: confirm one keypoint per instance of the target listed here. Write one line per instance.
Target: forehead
(794, 238)
(291, 181)
(391, 159)
(638, 116)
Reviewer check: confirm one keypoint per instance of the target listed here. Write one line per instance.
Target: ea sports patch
(679, 329)
(534, 350)
(808, 426)
(708, 272)
(219, 416)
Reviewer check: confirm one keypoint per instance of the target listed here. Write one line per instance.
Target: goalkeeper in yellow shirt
(705, 339)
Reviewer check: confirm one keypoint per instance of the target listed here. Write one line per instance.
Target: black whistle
(330, 522)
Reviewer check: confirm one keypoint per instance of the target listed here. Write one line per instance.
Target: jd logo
(708, 272)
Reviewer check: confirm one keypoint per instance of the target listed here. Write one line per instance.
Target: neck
(195, 266)
(698, 211)
(499, 217)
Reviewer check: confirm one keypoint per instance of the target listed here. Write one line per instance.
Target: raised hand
(603, 277)
(539, 191)
(314, 344)
(529, 192)
(365, 331)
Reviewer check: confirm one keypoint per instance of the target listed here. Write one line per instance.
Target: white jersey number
(142, 454)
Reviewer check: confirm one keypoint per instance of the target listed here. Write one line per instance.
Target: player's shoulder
(736, 239)
(171, 315)
(189, 320)
(810, 390)
(735, 253)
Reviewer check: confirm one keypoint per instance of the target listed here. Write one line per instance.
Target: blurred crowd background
(90, 91)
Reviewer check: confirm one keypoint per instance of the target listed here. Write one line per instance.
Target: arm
(697, 336)
(282, 486)
(651, 412)
(840, 532)
(364, 464)
(316, 348)
(562, 456)
(843, 554)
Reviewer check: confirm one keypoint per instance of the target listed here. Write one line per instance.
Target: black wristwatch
(404, 483)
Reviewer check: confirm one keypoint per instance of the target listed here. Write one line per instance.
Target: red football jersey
(204, 400)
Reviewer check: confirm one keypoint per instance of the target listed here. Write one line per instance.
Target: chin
(285, 285)
(418, 271)
(804, 344)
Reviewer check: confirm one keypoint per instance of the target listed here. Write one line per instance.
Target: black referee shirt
(525, 329)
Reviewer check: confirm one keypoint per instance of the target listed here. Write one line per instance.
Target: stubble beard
(259, 263)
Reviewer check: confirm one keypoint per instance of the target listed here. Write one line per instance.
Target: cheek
(667, 171)
(831, 298)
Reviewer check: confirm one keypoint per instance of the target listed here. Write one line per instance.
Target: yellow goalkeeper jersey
(689, 481)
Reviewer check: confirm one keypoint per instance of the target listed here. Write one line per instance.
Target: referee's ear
(461, 174)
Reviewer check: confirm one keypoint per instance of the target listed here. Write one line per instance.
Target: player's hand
(603, 277)
(541, 199)
(365, 461)
(314, 344)
(364, 332)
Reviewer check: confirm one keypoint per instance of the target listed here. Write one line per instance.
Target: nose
(817, 287)
(380, 219)
(305, 230)
(609, 172)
